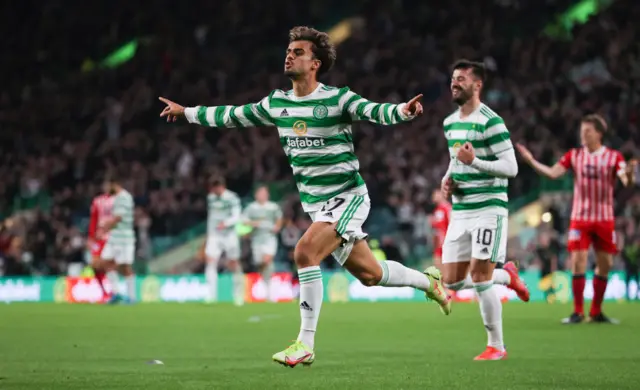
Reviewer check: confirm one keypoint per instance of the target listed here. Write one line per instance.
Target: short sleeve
(565, 160)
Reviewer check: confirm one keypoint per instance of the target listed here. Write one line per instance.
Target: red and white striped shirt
(594, 179)
(101, 207)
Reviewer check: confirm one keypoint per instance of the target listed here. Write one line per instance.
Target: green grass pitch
(358, 346)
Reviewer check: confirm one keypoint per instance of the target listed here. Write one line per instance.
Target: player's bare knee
(305, 254)
(369, 277)
(448, 279)
(479, 275)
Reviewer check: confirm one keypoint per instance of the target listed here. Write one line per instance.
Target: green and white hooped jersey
(477, 192)
(123, 206)
(224, 208)
(267, 215)
(315, 132)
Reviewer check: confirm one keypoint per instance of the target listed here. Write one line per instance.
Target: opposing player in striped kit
(101, 207)
(482, 160)
(314, 123)
(595, 169)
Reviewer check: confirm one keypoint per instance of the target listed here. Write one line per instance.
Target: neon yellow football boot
(437, 292)
(297, 353)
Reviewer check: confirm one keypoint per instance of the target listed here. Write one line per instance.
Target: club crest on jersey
(300, 127)
(320, 111)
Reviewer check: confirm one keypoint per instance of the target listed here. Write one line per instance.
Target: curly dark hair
(323, 48)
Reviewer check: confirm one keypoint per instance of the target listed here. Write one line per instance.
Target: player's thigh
(231, 247)
(362, 264)
(481, 270)
(264, 251)
(347, 213)
(604, 237)
(213, 249)
(579, 237)
(108, 252)
(124, 254)
(316, 243)
(456, 251)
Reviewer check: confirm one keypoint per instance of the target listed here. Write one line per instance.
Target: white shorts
(265, 247)
(349, 211)
(483, 237)
(120, 253)
(229, 244)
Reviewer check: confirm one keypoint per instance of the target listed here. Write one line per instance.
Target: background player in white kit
(482, 160)
(119, 251)
(266, 219)
(224, 211)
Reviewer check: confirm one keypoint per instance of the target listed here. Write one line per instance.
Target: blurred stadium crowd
(66, 121)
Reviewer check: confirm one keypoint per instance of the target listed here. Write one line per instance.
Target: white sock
(211, 275)
(311, 292)
(131, 287)
(500, 276)
(491, 311)
(395, 274)
(114, 280)
(267, 272)
(238, 286)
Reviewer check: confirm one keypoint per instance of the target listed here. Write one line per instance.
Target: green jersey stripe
(310, 121)
(396, 115)
(459, 142)
(351, 100)
(319, 160)
(219, 115)
(248, 113)
(480, 205)
(496, 139)
(471, 176)
(326, 180)
(265, 113)
(480, 190)
(234, 118)
(312, 199)
(496, 243)
(495, 120)
(387, 117)
(202, 115)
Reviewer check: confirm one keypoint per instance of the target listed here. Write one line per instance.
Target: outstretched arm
(248, 115)
(553, 172)
(361, 109)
